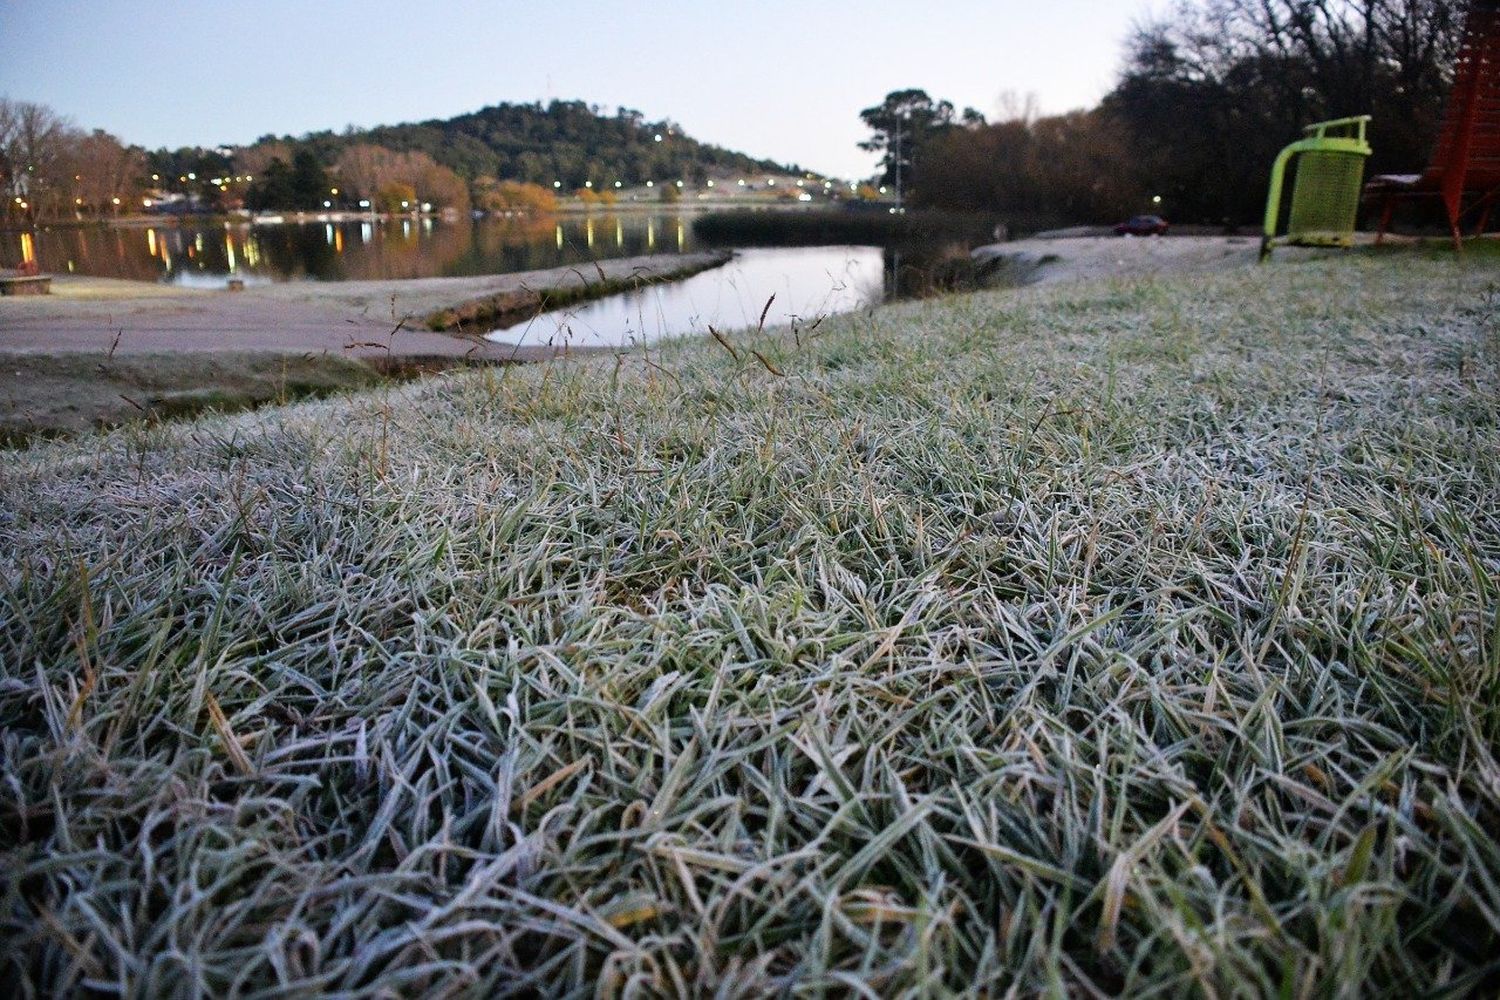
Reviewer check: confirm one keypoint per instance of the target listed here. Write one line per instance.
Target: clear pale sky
(776, 79)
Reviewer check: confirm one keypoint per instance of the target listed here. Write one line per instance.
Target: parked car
(1142, 225)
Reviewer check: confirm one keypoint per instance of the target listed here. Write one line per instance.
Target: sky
(773, 79)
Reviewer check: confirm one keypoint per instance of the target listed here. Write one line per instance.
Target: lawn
(1122, 637)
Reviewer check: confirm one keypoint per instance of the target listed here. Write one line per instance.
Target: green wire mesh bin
(1325, 195)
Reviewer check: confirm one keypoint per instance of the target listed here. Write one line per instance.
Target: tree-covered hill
(567, 141)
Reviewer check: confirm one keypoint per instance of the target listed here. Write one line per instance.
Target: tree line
(508, 156)
(50, 169)
(459, 161)
(1208, 94)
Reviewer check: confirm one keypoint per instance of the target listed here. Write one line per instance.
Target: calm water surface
(806, 282)
(801, 284)
(208, 254)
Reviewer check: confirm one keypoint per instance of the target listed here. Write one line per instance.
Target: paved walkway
(351, 318)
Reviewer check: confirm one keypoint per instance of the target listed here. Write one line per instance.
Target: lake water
(208, 254)
(807, 282)
(789, 285)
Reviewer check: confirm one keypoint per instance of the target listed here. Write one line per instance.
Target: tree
(396, 197)
(1033, 172)
(34, 142)
(254, 160)
(310, 186)
(107, 175)
(363, 169)
(513, 196)
(902, 125)
(272, 188)
(442, 187)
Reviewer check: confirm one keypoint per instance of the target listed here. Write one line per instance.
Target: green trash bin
(1325, 196)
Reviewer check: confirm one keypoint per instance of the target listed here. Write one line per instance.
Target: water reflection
(206, 255)
(807, 282)
(343, 251)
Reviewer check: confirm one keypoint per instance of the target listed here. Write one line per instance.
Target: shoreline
(508, 308)
(311, 216)
(104, 351)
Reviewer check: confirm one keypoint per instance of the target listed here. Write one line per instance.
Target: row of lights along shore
(770, 182)
(224, 182)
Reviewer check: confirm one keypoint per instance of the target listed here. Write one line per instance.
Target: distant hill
(567, 141)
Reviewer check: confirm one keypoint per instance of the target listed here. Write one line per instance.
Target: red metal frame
(1467, 158)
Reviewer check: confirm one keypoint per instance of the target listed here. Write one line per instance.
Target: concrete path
(352, 318)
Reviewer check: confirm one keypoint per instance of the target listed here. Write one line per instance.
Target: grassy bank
(504, 309)
(1103, 637)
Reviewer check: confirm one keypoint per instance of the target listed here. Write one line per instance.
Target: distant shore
(688, 206)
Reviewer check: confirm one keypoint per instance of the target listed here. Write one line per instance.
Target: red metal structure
(1466, 163)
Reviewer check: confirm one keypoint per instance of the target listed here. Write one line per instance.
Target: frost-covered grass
(1136, 637)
